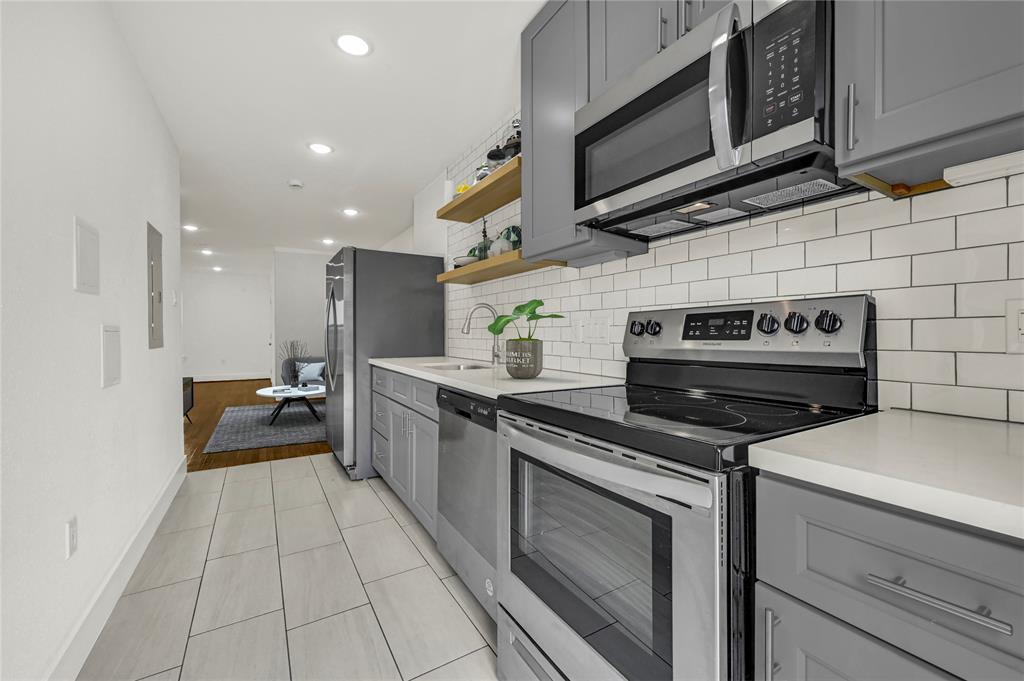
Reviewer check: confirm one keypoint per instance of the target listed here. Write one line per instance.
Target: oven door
(609, 559)
(680, 118)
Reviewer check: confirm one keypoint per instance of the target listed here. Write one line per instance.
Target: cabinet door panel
(918, 79)
(401, 455)
(424, 471)
(807, 645)
(696, 12)
(381, 456)
(424, 398)
(626, 33)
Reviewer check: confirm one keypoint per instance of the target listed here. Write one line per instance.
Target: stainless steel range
(624, 513)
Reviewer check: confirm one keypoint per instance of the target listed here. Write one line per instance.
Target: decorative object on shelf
(524, 356)
(508, 240)
(292, 349)
(462, 260)
(495, 157)
(514, 143)
(462, 188)
(484, 246)
(482, 171)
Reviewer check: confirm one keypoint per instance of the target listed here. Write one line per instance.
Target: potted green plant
(524, 355)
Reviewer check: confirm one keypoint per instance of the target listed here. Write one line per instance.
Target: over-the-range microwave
(733, 119)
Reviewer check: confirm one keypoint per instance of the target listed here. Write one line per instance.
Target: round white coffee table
(288, 394)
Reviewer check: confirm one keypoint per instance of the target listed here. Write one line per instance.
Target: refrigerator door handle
(332, 309)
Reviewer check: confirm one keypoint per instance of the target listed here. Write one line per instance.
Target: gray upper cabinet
(695, 12)
(626, 33)
(554, 86)
(934, 84)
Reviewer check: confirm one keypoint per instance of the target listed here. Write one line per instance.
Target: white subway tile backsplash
(959, 400)
(939, 345)
(972, 264)
(752, 238)
(972, 197)
(990, 370)
(1000, 226)
(711, 245)
(917, 367)
(789, 257)
(873, 274)
(729, 265)
(971, 334)
(872, 215)
(848, 248)
(918, 237)
(807, 281)
(807, 227)
(987, 298)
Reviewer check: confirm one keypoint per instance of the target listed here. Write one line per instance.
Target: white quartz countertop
(492, 381)
(963, 469)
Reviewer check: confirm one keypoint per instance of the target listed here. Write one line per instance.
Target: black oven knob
(636, 328)
(796, 323)
(827, 321)
(653, 327)
(767, 324)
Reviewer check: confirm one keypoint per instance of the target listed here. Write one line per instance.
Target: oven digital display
(719, 326)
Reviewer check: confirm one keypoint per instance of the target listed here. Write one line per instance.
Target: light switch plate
(1015, 326)
(110, 356)
(86, 267)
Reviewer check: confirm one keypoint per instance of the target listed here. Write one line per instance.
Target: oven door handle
(573, 458)
(726, 154)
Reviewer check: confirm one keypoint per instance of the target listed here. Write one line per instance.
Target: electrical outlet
(70, 537)
(1015, 326)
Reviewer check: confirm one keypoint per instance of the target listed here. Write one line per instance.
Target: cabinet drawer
(953, 598)
(381, 456)
(380, 413)
(423, 398)
(380, 380)
(400, 388)
(795, 642)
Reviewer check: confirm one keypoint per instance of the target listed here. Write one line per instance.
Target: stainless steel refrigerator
(379, 304)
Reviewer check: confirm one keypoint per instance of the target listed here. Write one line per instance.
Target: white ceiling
(246, 86)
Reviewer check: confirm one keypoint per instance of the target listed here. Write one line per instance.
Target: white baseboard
(81, 641)
(230, 377)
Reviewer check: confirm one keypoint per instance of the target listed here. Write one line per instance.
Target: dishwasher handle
(479, 410)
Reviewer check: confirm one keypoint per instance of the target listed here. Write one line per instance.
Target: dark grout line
(231, 624)
(280, 575)
(472, 652)
(199, 590)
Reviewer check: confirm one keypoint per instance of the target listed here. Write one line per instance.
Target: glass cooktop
(672, 423)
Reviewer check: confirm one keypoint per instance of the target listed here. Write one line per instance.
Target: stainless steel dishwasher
(467, 491)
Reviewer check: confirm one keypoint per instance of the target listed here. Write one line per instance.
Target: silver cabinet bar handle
(898, 586)
(851, 102)
(661, 29)
(770, 667)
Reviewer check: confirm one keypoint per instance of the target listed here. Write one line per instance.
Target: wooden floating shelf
(504, 265)
(501, 187)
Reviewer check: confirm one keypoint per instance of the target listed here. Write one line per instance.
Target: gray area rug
(246, 427)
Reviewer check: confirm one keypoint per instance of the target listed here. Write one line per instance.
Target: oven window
(663, 130)
(602, 562)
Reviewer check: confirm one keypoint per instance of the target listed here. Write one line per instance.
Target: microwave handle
(726, 154)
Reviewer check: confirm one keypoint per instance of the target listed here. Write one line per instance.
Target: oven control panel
(811, 331)
(785, 67)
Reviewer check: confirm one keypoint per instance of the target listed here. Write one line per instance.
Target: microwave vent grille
(661, 228)
(797, 192)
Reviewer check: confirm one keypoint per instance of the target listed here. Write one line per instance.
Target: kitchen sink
(456, 366)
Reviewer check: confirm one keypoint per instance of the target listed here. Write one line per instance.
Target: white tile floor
(289, 570)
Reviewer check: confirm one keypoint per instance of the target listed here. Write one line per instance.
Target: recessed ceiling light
(327, 242)
(351, 212)
(318, 148)
(206, 251)
(354, 45)
(217, 268)
(189, 228)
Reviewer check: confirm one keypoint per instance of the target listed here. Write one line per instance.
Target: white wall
(299, 300)
(80, 136)
(227, 325)
(403, 242)
(430, 235)
(941, 267)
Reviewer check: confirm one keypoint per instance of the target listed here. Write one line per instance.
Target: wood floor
(210, 401)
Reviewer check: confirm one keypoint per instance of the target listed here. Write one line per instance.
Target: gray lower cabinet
(626, 33)
(554, 86)
(798, 643)
(405, 441)
(933, 84)
(951, 598)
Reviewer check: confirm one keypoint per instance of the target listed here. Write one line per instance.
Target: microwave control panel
(784, 67)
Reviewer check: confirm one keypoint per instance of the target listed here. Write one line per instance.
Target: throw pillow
(309, 371)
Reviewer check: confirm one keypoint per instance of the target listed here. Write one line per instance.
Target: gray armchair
(288, 369)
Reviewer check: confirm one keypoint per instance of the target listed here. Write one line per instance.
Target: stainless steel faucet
(495, 349)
